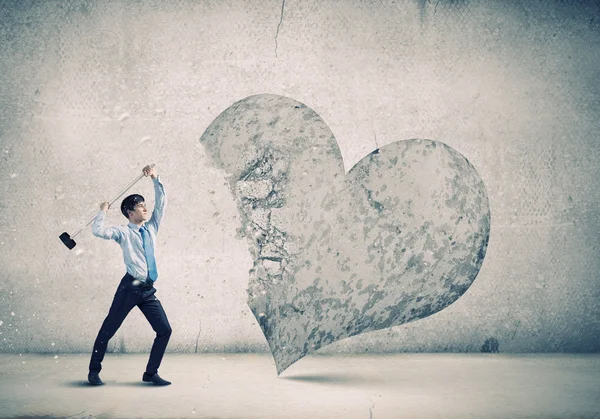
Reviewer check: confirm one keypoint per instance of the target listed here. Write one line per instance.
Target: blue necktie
(149, 252)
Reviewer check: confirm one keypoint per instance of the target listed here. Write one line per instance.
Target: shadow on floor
(85, 384)
(79, 383)
(328, 379)
(135, 384)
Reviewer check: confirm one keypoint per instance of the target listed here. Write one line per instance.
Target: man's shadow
(85, 384)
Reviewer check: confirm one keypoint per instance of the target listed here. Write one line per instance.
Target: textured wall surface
(92, 91)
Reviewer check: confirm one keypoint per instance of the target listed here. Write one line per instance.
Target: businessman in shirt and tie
(138, 241)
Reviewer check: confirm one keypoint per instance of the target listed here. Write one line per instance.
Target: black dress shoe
(94, 378)
(155, 379)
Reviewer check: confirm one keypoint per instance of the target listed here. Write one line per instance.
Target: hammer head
(67, 240)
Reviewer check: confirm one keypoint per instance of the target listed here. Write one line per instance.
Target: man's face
(139, 214)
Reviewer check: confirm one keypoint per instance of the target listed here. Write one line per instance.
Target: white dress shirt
(129, 236)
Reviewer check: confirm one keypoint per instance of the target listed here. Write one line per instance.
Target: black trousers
(131, 293)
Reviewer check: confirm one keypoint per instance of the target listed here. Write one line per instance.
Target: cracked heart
(399, 238)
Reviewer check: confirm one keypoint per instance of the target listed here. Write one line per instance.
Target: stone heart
(400, 237)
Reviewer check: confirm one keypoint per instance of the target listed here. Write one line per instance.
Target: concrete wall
(92, 91)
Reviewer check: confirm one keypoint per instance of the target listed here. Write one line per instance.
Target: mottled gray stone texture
(91, 91)
(399, 238)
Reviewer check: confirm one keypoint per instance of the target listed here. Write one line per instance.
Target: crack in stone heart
(400, 237)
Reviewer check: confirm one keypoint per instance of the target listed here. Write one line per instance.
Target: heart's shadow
(398, 238)
(338, 379)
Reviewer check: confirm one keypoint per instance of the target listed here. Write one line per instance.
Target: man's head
(134, 208)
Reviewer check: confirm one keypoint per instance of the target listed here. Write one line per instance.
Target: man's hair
(130, 202)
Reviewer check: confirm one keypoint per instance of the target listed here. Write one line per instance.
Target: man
(138, 240)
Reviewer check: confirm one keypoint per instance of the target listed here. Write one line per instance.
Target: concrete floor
(318, 386)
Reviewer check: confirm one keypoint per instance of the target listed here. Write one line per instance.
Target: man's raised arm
(160, 197)
(98, 229)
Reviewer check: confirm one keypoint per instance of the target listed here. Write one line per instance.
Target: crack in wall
(279, 25)
(375, 136)
(198, 336)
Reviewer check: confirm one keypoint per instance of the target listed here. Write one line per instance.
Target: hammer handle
(125, 189)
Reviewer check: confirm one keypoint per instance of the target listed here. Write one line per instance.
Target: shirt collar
(135, 226)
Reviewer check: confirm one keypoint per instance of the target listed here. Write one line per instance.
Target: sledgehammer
(68, 240)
